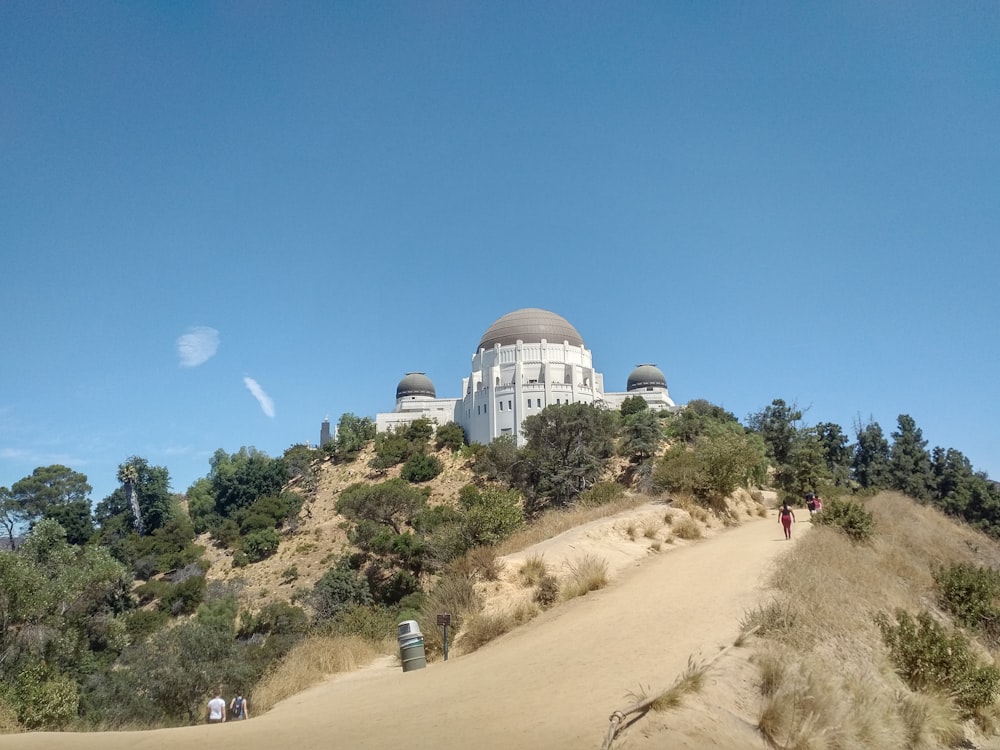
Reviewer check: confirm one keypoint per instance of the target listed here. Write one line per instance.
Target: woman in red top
(786, 516)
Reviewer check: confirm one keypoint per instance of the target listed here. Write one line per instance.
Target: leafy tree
(806, 466)
(339, 588)
(700, 417)
(201, 505)
(642, 435)
(60, 605)
(239, 479)
(75, 518)
(567, 445)
(353, 433)
(633, 405)
(837, 452)
(870, 463)
(47, 486)
(777, 424)
(392, 503)
(713, 467)
(299, 462)
(150, 504)
(496, 461)
(8, 515)
(954, 480)
(909, 462)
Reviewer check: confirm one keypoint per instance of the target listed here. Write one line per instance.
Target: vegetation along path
(550, 684)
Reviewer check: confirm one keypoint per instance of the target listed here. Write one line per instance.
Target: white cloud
(197, 346)
(265, 401)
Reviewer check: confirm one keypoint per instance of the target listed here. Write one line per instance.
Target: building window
(501, 406)
(510, 405)
(539, 402)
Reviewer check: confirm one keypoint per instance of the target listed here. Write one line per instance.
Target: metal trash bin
(411, 646)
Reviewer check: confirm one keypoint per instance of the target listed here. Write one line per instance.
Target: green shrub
(849, 517)
(259, 545)
(602, 493)
(450, 436)
(421, 468)
(970, 593)
(930, 659)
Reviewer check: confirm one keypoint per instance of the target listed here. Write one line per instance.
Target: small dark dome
(646, 376)
(530, 325)
(415, 384)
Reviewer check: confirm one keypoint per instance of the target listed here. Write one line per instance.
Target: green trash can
(411, 646)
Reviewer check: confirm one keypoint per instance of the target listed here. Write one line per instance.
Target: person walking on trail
(786, 516)
(216, 709)
(238, 708)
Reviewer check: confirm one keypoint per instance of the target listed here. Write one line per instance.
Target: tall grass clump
(602, 493)
(454, 594)
(309, 663)
(532, 570)
(588, 573)
(483, 628)
(686, 528)
(691, 680)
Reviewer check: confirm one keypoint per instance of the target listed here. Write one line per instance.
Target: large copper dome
(530, 325)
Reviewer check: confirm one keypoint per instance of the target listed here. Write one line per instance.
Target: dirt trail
(550, 684)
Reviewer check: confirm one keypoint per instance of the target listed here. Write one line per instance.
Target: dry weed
(586, 574)
(554, 522)
(310, 662)
(532, 570)
(687, 528)
(483, 628)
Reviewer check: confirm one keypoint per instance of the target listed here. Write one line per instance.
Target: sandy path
(550, 684)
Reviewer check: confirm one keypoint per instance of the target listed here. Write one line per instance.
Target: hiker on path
(238, 707)
(216, 709)
(786, 516)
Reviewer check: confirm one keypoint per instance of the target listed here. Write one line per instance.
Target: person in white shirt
(216, 709)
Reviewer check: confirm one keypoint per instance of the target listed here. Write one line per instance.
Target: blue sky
(222, 222)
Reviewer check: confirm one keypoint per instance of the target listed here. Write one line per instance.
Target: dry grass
(554, 522)
(586, 574)
(312, 661)
(691, 680)
(686, 528)
(532, 570)
(824, 678)
(483, 628)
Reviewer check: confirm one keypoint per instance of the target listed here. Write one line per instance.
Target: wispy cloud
(197, 346)
(265, 401)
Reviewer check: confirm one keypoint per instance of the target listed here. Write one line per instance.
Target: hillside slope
(549, 684)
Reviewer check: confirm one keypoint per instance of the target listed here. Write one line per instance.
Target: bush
(259, 545)
(602, 493)
(970, 593)
(421, 468)
(930, 659)
(849, 517)
(548, 590)
(450, 436)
